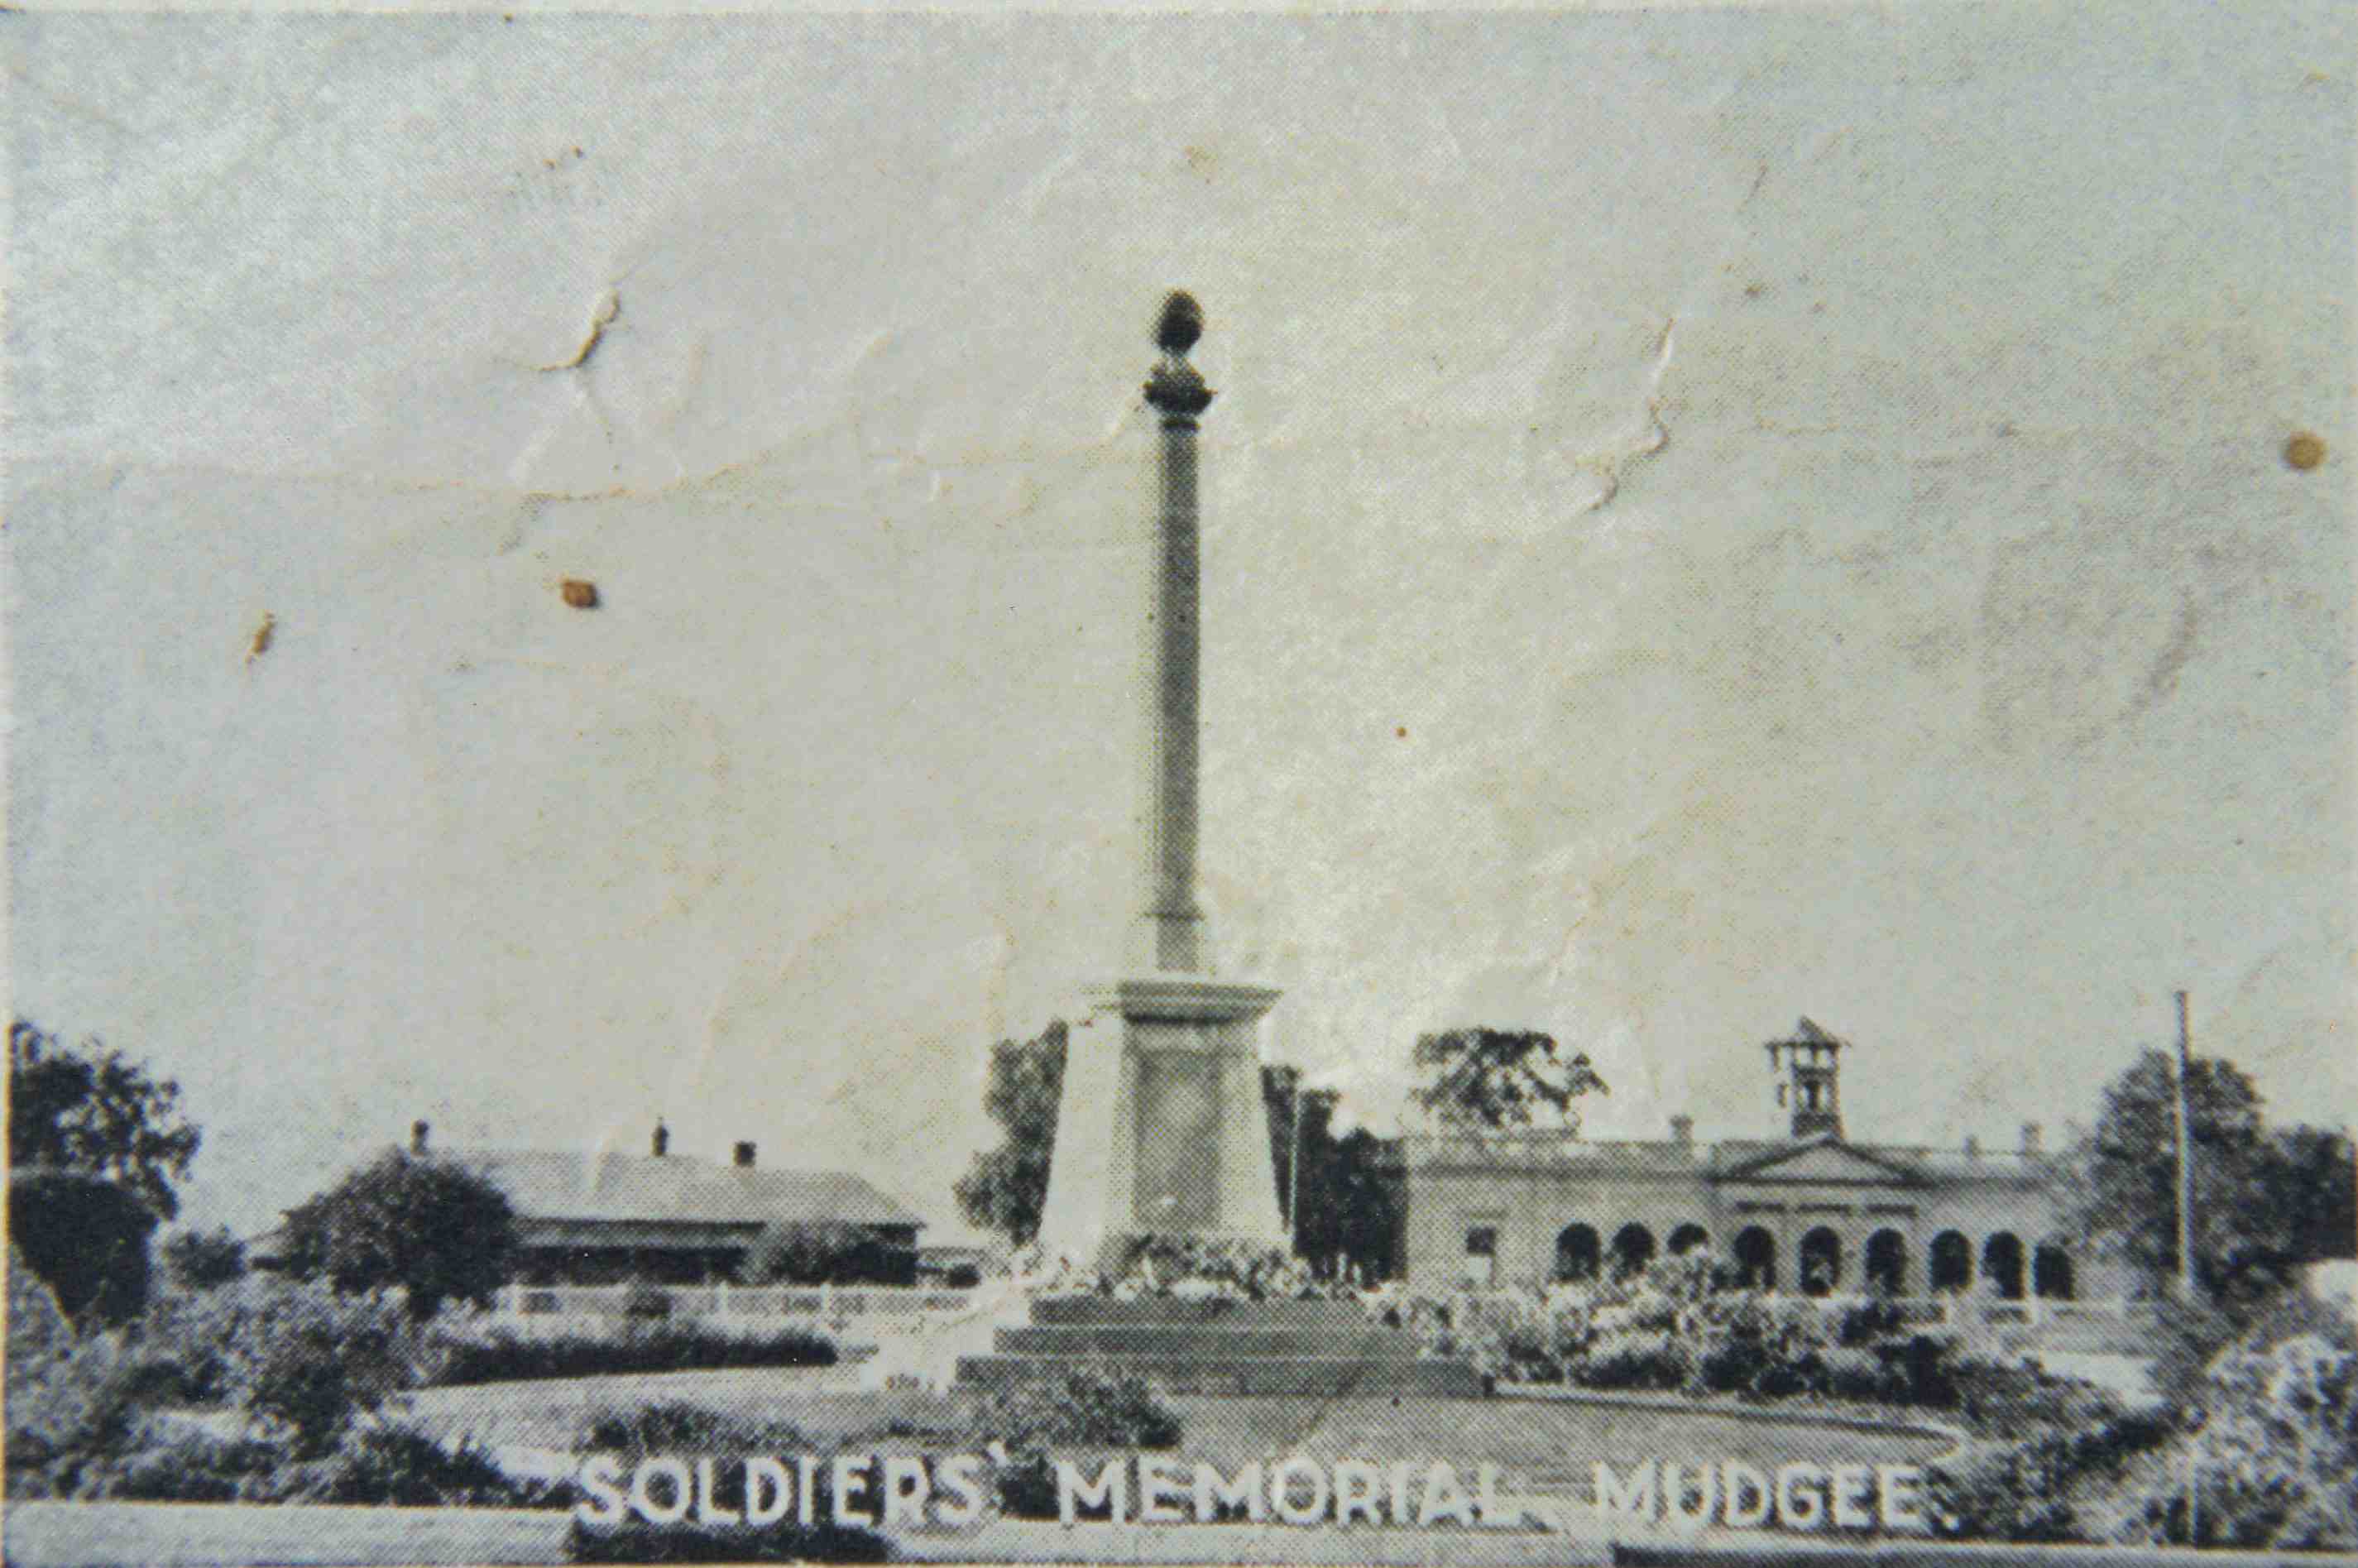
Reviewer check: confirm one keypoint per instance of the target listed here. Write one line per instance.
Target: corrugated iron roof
(546, 1183)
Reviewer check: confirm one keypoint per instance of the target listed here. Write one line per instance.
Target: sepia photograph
(1244, 787)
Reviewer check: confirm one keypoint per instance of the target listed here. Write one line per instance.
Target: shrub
(1867, 1322)
(675, 1426)
(69, 1414)
(201, 1260)
(1026, 1486)
(86, 1239)
(2023, 1492)
(808, 1252)
(782, 1543)
(2276, 1445)
(1654, 1361)
(1082, 1408)
(307, 1360)
(395, 1463)
(501, 1357)
(163, 1461)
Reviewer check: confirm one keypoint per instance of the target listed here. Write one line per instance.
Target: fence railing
(784, 1304)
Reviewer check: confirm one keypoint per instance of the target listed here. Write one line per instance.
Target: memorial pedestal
(1160, 1130)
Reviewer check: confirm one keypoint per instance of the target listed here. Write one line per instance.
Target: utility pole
(2185, 1158)
(1294, 1170)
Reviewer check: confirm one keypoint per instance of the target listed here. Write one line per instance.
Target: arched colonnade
(1823, 1264)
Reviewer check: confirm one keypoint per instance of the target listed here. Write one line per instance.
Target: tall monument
(1161, 1129)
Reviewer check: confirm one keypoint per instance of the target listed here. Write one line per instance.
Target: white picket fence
(731, 1305)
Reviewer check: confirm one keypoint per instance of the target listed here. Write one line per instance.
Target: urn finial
(1181, 323)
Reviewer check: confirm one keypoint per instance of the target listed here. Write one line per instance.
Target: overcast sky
(1711, 516)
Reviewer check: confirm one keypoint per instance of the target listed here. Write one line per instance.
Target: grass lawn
(1543, 1445)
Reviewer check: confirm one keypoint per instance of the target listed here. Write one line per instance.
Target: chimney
(744, 1156)
(2030, 1138)
(418, 1132)
(1682, 1130)
(661, 1142)
(1972, 1147)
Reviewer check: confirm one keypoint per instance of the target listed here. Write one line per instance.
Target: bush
(1026, 1485)
(69, 1414)
(307, 1360)
(201, 1260)
(1650, 1361)
(1867, 1322)
(650, 1347)
(785, 1541)
(163, 1461)
(2277, 1441)
(86, 1239)
(808, 1252)
(1082, 1408)
(2023, 1492)
(675, 1426)
(395, 1463)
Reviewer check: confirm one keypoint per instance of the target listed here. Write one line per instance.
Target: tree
(85, 1238)
(199, 1260)
(2314, 1175)
(814, 1252)
(1491, 1078)
(2263, 1202)
(1007, 1187)
(435, 1229)
(1350, 1193)
(91, 1110)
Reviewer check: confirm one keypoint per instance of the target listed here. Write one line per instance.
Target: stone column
(1161, 1127)
(1169, 934)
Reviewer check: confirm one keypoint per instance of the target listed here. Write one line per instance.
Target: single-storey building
(590, 1218)
(1816, 1212)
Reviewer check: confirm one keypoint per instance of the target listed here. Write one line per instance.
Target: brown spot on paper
(2305, 450)
(580, 594)
(263, 634)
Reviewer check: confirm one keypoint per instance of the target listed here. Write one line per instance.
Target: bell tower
(1808, 1068)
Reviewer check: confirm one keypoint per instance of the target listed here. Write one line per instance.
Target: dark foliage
(199, 1260)
(310, 1364)
(785, 1541)
(1491, 1078)
(2263, 1202)
(1351, 1190)
(2023, 1492)
(675, 1426)
(656, 1347)
(1082, 1408)
(1008, 1187)
(86, 1237)
(166, 1462)
(434, 1228)
(1026, 1485)
(91, 1110)
(818, 1252)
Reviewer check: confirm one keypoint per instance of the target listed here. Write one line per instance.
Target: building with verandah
(1814, 1213)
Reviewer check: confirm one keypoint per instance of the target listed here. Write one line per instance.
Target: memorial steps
(1302, 1348)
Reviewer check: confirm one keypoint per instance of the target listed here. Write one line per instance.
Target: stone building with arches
(1814, 1213)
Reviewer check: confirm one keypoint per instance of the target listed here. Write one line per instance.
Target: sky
(1710, 516)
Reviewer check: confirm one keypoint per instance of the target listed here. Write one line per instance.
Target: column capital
(1178, 391)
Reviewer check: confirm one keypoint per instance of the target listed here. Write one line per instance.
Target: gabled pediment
(1827, 1162)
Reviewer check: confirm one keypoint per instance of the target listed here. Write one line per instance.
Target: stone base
(1161, 1129)
(1294, 1348)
